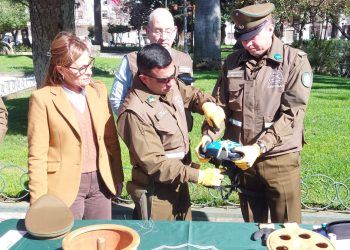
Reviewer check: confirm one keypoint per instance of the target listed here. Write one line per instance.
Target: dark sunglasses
(162, 80)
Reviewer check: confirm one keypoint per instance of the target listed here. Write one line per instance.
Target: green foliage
(115, 28)
(22, 48)
(331, 57)
(16, 64)
(13, 16)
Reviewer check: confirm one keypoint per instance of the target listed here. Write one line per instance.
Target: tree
(98, 22)
(13, 17)
(48, 17)
(139, 13)
(207, 34)
(119, 30)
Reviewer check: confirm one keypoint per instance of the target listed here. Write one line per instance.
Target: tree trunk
(207, 34)
(98, 22)
(223, 33)
(48, 17)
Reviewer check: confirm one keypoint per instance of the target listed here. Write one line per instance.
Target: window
(104, 14)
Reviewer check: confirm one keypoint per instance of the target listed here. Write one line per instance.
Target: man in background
(160, 29)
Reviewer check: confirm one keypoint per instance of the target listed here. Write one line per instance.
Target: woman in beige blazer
(74, 152)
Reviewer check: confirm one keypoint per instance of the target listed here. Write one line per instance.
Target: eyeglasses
(166, 32)
(162, 80)
(82, 70)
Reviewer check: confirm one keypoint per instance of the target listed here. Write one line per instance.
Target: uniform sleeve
(121, 85)
(38, 146)
(193, 97)
(147, 152)
(112, 142)
(220, 94)
(293, 103)
(3, 120)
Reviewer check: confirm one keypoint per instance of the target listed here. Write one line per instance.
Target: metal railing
(318, 191)
(10, 85)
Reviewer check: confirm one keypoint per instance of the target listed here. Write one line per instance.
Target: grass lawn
(326, 131)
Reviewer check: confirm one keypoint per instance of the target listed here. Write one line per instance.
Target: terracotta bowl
(102, 237)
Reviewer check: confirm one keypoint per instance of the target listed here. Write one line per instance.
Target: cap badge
(278, 57)
(150, 99)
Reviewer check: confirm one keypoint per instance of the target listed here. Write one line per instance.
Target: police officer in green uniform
(264, 89)
(152, 123)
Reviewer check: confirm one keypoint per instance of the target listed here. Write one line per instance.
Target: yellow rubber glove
(200, 149)
(214, 114)
(251, 153)
(210, 177)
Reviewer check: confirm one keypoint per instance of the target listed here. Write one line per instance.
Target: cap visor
(248, 35)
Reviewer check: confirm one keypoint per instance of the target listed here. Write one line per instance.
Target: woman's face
(80, 73)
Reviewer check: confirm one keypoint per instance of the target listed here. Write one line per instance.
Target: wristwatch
(262, 147)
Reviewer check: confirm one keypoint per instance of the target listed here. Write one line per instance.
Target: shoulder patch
(306, 79)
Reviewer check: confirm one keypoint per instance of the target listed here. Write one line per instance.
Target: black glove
(262, 233)
(186, 78)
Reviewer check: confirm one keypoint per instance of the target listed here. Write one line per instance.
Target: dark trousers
(93, 201)
(273, 186)
(167, 202)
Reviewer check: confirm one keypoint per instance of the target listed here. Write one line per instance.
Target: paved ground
(229, 214)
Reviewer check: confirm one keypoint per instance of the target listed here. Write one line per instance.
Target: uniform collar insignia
(277, 56)
(151, 99)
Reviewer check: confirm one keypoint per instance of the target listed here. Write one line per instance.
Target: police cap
(250, 20)
(48, 217)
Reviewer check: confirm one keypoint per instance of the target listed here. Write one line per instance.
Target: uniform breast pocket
(166, 125)
(235, 88)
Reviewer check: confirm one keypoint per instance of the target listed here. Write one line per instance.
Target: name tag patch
(235, 74)
(185, 69)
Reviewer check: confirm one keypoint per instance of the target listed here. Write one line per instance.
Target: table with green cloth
(158, 234)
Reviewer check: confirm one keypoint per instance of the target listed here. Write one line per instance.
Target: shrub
(328, 57)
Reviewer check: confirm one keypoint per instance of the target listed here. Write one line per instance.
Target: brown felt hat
(250, 20)
(48, 217)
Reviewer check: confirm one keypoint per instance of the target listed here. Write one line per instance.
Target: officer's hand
(210, 177)
(250, 152)
(201, 149)
(119, 189)
(214, 114)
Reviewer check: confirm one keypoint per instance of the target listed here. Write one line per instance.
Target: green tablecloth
(154, 234)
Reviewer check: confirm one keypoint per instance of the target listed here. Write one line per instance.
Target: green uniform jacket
(265, 99)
